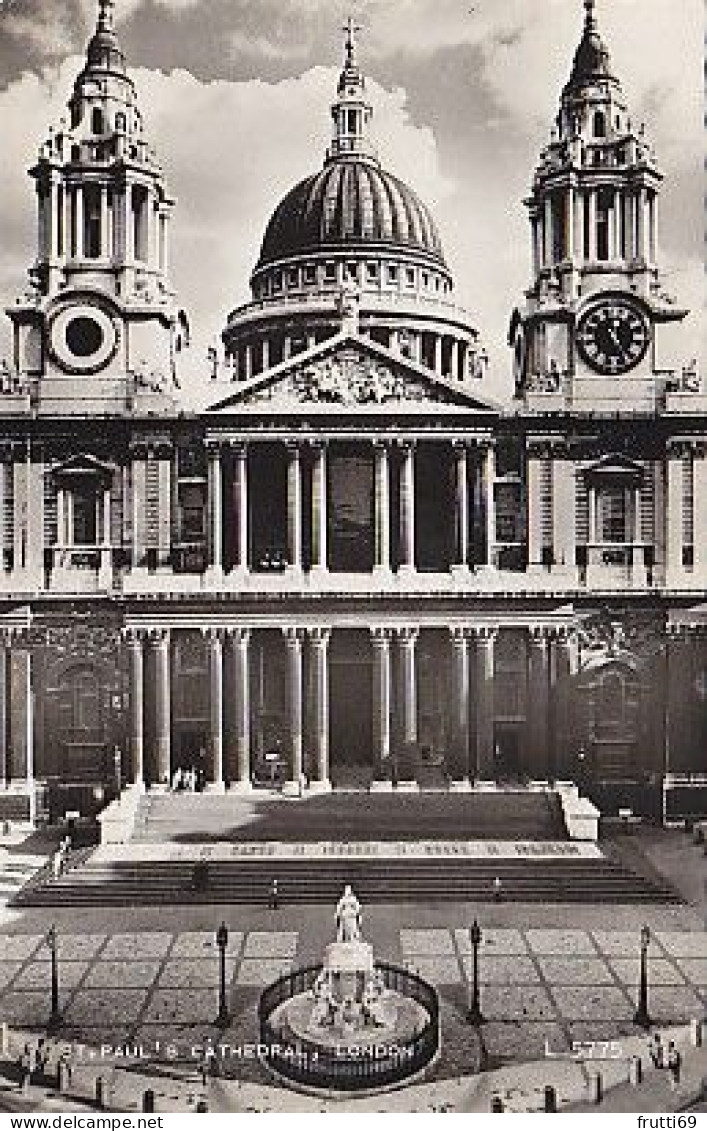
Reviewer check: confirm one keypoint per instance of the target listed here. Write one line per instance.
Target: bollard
(696, 1033)
(635, 1071)
(595, 1087)
(63, 1075)
(101, 1093)
(550, 1098)
(148, 1100)
(496, 1103)
(4, 1040)
(202, 1105)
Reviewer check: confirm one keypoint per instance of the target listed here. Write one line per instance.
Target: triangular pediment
(615, 466)
(350, 373)
(82, 465)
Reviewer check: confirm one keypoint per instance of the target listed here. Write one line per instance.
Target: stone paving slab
(196, 944)
(271, 944)
(38, 975)
(29, 1009)
(674, 1003)
(684, 944)
(528, 1041)
(506, 970)
(620, 943)
(105, 1007)
(8, 970)
(592, 1003)
(561, 942)
(661, 972)
(148, 944)
(79, 947)
(438, 942)
(577, 971)
(518, 1003)
(192, 1006)
(261, 971)
(438, 971)
(116, 973)
(19, 946)
(195, 972)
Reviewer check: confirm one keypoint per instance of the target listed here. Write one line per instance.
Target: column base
(382, 571)
(485, 785)
(460, 785)
(459, 569)
(294, 572)
(406, 570)
(292, 789)
(407, 787)
(241, 787)
(380, 786)
(138, 786)
(320, 786)
(214, 787)
(319, 572)
(160, 787)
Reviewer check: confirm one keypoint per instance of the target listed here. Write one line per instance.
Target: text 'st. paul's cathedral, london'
(353, 569)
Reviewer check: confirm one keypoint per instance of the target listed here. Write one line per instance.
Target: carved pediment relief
(349, 373)
(347, 379)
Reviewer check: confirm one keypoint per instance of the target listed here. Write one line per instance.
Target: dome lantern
(351, 112)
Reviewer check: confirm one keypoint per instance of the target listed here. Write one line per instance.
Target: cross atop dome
(350, 29)
(590, 23)
(106, 10)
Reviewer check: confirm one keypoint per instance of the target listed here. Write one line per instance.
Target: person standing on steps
(674, 1066)
(274, 902)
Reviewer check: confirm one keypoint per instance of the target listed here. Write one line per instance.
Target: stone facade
(355, 566)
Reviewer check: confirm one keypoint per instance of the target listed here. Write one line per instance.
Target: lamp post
(475, 1015)
(51, 941)
(222, 943)
(641, 1016)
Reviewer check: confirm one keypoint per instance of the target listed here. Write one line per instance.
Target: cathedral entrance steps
(231, 874)
(518, 815)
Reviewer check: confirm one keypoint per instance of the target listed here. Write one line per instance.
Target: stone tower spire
(104, 211)
(593, 211)
(351, 112)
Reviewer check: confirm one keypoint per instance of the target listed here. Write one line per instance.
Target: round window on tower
(84, 336)
(83, 339)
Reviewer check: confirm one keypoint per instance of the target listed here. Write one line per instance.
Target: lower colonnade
(465, 680)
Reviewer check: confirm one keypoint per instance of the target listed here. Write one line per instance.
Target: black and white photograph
(353, 559)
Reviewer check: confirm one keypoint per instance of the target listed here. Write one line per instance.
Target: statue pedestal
(348, 969)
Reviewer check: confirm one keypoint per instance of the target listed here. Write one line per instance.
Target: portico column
(216, 776)
(570, 223)
(454, 359)
(319, 509)
(407, 641)
(240, 779)
(319, 644)
(265, 353)
(488, 475)
(547, 228)
(240, 472)
(78, 214)
(674, 517)
(4, 769)
(293, 647)
(216, 507)
(60, 516)
(380, 638)
(560, 705)
(294, 506)
(539, 703)
(462, 505)
(163, 719)
(382, 506)
(137, 708)
(592, 199)
(103, 250)
(458, 769)
(592, 524)
(438, 354)
(484, 701)
(407, 508)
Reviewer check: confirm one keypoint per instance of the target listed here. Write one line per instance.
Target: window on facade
(392, 273)
(292, 276)
(310, 273)
(604, 214)
(508, 512)
(191, 462)
(277, 281)
(410, 276)
(425, 280)
(192, 514)
(352, 272)
(92, 222)
(559, 221)
(140, 235)
(612, 514)
(120, 123)
(330, 272)
(85, 527)
(372, 272)
(97, 120)
(599, 124)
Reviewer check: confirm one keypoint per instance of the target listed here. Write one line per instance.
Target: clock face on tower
(612, 336)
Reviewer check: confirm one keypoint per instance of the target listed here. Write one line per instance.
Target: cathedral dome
(349, 203)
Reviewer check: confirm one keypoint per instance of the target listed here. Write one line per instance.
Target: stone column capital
(381, 637)
(294, 636)
(158, 637)
(213, 633)
(319, 636)
(484, 633)
(461, 634)
(134, 637)
(239, 634)
(406, 634)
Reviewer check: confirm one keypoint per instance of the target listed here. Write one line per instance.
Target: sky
(236, 97)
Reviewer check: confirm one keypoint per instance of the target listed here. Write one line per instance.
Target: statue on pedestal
(348, 917)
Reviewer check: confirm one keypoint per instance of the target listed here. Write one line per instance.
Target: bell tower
(99, 322)
(588, 335)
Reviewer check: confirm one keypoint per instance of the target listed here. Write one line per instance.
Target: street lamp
(222, 943)
(641, 1016)
(475, 1015)
(51, 941)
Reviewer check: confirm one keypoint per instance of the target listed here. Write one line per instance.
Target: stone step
(248, 882)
